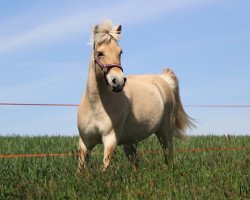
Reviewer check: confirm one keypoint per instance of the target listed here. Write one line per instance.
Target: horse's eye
(99, 53)
(121, 52)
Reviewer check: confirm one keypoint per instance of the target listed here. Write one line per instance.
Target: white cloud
(79, 22)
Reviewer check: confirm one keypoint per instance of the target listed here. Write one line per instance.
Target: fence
(156, 151)
(75, 105)
(151, 152)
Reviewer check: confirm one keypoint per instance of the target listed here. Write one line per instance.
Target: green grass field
(194, 175)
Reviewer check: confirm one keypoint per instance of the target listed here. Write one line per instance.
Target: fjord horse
(115, 110)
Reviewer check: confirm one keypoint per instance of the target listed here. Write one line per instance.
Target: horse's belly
(134, 135)
(136, 130)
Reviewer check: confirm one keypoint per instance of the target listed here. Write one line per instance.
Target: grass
(194, 175)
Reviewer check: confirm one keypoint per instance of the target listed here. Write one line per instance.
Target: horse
(118, 110)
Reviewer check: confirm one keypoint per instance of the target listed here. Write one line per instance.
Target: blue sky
(44, 57)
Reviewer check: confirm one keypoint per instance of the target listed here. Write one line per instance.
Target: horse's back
(140, 86)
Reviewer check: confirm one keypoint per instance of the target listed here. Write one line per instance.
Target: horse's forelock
(105, 31)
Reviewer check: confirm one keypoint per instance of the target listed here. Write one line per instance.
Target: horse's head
(107, 55)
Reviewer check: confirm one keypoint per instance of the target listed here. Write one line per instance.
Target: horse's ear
(118, 29)
(96, 29)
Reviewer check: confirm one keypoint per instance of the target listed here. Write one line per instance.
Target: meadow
(213, 174)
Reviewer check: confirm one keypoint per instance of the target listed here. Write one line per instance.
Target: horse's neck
(95, 87)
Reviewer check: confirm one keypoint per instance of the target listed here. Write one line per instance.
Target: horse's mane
(104, 32)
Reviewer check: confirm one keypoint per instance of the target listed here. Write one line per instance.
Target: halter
(108, 67)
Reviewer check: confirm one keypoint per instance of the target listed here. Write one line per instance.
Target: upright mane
(105, 31)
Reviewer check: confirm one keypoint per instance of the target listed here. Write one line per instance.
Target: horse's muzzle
(119, 88)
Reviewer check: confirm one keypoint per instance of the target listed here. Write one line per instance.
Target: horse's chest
(99, 124)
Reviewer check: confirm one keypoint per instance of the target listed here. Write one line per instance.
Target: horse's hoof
(79, 171)
(104, 169)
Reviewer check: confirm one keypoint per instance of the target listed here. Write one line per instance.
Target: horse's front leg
(110, 144)
(84, 154)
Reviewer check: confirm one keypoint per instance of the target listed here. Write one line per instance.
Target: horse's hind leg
(167, 146)
(165, 138)
(84, 155)
(130, 152)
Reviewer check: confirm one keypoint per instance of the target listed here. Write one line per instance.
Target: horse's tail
(182, 120)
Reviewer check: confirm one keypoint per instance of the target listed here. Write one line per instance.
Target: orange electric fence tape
(152, 152)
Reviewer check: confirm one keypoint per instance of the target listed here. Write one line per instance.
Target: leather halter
(108, 67)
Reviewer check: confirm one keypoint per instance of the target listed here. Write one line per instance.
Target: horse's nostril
(114, 81)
